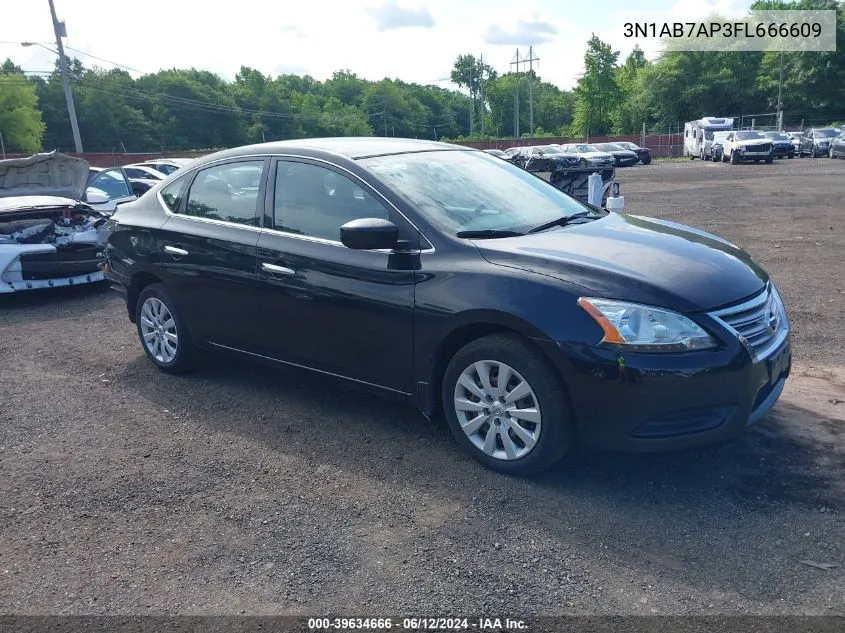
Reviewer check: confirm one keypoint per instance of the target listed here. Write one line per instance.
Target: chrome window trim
(190, 173)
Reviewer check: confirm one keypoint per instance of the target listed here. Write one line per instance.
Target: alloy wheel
(158, 330)
(497, 410)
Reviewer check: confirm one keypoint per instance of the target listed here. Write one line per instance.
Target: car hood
(50, 174)
(624, 153)
(596, 155)
(637, 259)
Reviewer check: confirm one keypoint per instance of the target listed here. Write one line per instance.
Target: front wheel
(770, 160)
(163, 332)
(506, 406)
(583, 162)
(734, 158)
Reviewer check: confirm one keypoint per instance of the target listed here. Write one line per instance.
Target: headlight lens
(644, 328)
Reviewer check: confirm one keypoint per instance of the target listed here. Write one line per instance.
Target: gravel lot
(238, 489)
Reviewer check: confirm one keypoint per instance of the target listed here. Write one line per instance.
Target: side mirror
(96, 196)
(369, 234)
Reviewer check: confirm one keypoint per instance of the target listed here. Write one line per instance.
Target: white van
(697, 133)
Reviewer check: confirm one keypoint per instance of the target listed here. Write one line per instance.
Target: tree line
(189, 109)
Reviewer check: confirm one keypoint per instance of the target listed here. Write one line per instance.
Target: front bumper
(659, 402)
(784, 150)
(37, 266)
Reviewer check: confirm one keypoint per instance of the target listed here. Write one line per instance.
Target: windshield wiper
(489, 233)
(562, 221)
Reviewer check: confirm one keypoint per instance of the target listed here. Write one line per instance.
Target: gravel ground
(239, 489)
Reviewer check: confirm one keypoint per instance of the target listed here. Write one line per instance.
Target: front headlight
(644, 328)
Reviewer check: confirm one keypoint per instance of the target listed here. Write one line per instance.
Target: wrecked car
(51, 234)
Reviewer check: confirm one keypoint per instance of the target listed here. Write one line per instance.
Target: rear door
(208, 246)
(325, 306)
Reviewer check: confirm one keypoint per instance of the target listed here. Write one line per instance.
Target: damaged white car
(49, 237)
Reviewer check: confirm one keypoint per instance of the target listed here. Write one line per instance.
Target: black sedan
(781, 144)
(837, 146)
(455, 281)
(544, 158)
(643, 153)
(621, 157)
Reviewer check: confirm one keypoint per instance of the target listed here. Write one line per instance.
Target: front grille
(760, 323)
(759, 147)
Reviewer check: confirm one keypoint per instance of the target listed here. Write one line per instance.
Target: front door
(208, 248)
(324, 306)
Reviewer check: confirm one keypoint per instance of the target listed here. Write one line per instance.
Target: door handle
(175, 250)
(277, 270)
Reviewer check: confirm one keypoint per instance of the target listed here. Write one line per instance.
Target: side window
(227, 192)
(316, 201)
(172, 194)
(112, 182)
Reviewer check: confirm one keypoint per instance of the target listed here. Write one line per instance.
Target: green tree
(20, 118)
(597, 93)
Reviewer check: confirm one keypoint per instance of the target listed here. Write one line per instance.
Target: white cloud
(392, 16)
(527, 31)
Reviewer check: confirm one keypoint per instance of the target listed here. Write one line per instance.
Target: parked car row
(543, 157)
(752, 145)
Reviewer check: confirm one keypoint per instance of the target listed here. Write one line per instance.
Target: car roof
(351, 147)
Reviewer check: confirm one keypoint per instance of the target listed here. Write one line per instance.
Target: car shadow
(765, 469)
(676, 516)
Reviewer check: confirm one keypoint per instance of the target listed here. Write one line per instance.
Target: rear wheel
(162, 331)
(506, 407)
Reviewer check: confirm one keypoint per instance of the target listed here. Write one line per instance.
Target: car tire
(733, 158)
(647, 160)
(582, 162)
(770, 160)
(549, 423)
(162, 331)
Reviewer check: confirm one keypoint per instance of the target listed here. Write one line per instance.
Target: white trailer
(698, 133)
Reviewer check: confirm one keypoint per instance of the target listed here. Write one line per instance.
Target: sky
(413, 40)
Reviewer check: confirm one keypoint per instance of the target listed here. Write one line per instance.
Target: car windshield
(627, 145)
(748, 136)
(720, 136)
(610, 147)
(585, 148)
(778, 136)
(551, 149)
(825, 133)
(472, 191)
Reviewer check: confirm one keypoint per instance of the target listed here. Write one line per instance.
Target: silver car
(589, 155)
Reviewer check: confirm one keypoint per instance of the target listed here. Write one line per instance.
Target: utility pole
(531, 59)
(60, 31)
(780, 96)
(516, 60)
(2, 146)
(471, 97)
(483, 109)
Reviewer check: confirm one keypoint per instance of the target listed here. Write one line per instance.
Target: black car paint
(391, 321)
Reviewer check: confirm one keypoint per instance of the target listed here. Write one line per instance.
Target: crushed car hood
(51, 174)
(636, 259)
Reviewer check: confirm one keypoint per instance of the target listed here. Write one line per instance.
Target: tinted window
(165, 168)
(112, 182)
(315, 201)
(172, 194)
(134, 172)
(227, 192)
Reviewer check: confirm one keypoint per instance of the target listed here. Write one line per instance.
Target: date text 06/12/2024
(416, 624)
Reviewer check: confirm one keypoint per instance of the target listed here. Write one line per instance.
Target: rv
(698, 135)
